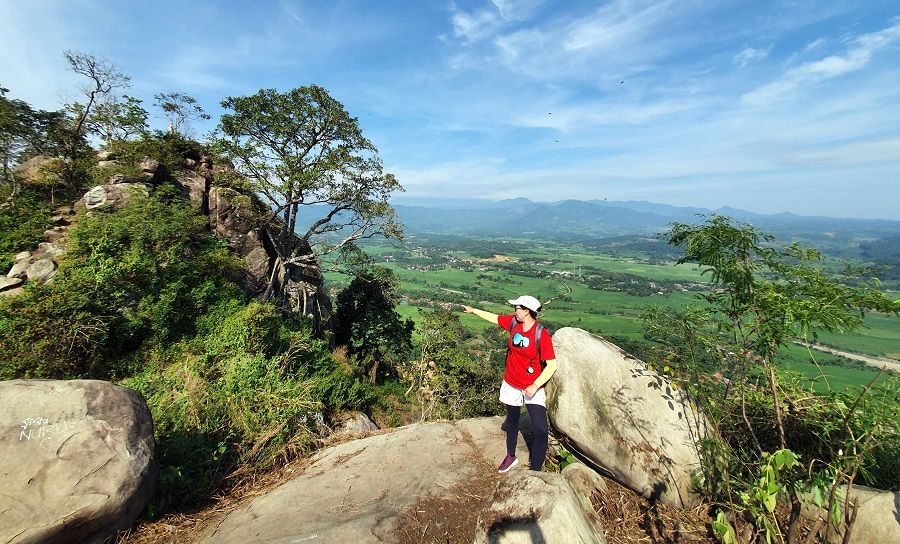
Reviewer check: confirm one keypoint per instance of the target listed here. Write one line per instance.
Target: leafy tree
(104, 78)
(26, 132)
(770, 296)
(117, 120)
(180, 109)
(304, 154)
(367, 323)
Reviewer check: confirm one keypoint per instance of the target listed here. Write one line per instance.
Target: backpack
(537, 339)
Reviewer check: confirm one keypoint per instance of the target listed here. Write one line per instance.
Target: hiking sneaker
(508, 462)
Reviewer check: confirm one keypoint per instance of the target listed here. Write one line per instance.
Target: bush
(248, 391)
(142, 273)
(22, 225)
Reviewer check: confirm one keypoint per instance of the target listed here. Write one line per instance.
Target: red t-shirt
(519, 357)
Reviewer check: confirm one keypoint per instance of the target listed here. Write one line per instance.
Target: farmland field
(603, 294)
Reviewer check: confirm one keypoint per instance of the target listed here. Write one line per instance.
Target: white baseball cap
(527, 301)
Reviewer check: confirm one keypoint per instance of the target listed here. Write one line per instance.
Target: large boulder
(8, 284)
(77, 460)
(378, 488)
(194, 187)
(532, 507)
(41, 171)
(629, 421)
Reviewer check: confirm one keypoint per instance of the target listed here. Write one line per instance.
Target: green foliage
(366, 323)
(247, 391)
(116, 119)
(724, 353)
(449, 382)
(22, 225)
(142, 273)
(170, 149)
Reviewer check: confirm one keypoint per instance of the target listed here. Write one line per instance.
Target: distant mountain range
(592, 219)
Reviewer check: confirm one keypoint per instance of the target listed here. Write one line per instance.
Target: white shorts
(516, 397)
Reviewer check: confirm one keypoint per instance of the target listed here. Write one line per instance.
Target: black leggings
(538, 416)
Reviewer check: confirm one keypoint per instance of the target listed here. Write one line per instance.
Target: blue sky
(766, 106)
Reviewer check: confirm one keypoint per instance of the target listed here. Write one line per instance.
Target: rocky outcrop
(355, 422)
(77, 460)
(627, 420)
(232, 217)
(368, 489)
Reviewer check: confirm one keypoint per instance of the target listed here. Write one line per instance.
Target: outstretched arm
(487, 316)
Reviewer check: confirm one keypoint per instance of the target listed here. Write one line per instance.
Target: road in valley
(870, 360)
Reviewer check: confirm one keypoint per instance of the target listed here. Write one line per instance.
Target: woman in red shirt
(524, 379)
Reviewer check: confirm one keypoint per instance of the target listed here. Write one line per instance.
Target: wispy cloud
(811, 73)
(749, 55)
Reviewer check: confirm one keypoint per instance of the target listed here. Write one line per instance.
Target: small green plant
(761, 498)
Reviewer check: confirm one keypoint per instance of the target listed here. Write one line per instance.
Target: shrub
(142, 273)
(246, 392)
(22, 225)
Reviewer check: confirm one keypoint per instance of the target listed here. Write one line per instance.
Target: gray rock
(41, 270)
(356, 422)
(51, 249)
(149, 165)
(41, 170)
(584, 480)
(107, 164)
(53, 235)
(7, 283)
(359, 491)
(533, 507)
(628, 421)
(877, 520)
(117, 179)
(77, 460)
(195, 187)
(114, 194)
(105, 155)
(233, 218)
(22, 256)
(12, 292)
(19, 269)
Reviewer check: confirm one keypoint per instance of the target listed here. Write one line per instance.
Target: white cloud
(473, 27)
(749, 55)
(616, 25)
(812, 73)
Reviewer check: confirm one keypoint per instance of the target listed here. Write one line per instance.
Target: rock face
(626, 420)
(361, 490)
(232, 217)
(77, 460)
